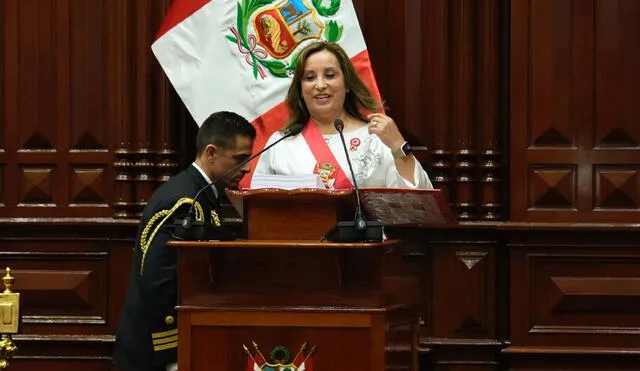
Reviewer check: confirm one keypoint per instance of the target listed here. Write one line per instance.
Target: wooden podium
(353, 305)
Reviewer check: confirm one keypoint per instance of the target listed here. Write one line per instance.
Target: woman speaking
(326, 88)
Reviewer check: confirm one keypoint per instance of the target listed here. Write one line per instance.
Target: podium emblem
(280, 359)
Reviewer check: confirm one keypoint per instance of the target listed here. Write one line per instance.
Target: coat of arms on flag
(265, 30)
(281, 359)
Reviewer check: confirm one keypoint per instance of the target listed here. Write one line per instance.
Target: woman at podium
(328, 97)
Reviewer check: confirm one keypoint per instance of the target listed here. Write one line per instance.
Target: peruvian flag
(307, 365)
(256, 362)
(252, 365)
(238, 55)
(304, 360)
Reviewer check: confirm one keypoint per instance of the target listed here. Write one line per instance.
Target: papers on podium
(289, 182)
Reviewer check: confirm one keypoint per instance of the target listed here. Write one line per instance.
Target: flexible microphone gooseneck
(360, 222)
(188, 222)
(358, 230)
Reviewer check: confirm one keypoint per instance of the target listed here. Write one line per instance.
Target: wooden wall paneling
(120, 105)
(464, 298)
(86, 108)
(77, 280)
(575, 295)
(56, 146)
(575, 140)
(145, 145)
(553, 296)
(395, 49)
(88, 138)
(3, 78)
(64, 81)
(378, 30)
(144, 32)
(581, 294)
(165, 142)
(72, 276)
(33, 185)
(489, 101)
(562, 361)
(3, 107)
(414, 122)
(436, 92)
(10, 100)
(418, 260)
(615, 145)
(461, 54)
(462, 106)
(60, 363)
(163, 124)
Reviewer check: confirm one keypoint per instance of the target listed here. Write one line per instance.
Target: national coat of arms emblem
(268, 35)
(281, 359)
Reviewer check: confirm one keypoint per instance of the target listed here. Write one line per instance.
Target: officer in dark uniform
(147, 336)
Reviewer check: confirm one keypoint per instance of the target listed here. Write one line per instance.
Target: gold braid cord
(145, 239)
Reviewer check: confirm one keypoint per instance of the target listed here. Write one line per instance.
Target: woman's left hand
(385, 128)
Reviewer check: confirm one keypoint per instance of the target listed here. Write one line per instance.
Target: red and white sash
(326, 164)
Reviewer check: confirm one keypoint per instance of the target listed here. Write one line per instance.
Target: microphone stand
(358, 230)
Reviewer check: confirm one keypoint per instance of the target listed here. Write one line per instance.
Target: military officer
(147, 336)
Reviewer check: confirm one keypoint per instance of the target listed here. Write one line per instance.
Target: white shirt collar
(206, 177)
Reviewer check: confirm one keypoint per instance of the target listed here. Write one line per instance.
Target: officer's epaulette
(163, 215)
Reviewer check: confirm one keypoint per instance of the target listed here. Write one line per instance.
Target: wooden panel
(459, 275)
(63, 352)
(72, 277)
(558, 359)
(76, 280)
(575, 296)
(464, 300)
(575, 139)
(76, 91)
(43, 364)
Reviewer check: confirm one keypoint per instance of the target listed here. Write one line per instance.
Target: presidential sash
(327, 166)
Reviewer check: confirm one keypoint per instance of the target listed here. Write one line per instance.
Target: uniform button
(169, 320)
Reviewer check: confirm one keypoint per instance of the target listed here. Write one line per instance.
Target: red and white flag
(239, 55)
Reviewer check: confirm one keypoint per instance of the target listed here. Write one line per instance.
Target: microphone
(190, 229)
(359, 230)
(359, 221)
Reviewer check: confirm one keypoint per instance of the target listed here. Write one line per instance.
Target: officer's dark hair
(221, 130)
